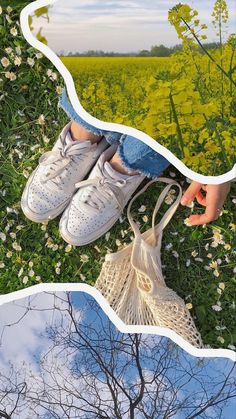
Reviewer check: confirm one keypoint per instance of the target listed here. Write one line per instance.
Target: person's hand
(213, 200)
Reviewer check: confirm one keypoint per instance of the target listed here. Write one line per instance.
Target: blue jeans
(135, 155)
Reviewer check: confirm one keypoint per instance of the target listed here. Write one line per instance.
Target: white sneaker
(52, 184)
(99, 202)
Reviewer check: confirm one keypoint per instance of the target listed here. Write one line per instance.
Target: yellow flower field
(168, 98)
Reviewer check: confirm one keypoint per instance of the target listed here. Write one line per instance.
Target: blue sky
(119, 25)
(25, 341)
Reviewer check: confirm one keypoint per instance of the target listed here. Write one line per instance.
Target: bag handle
(167, 216)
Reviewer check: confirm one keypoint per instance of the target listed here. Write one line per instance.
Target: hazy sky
(119, 25)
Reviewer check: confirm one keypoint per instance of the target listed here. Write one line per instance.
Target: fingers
(201, 199)
(207, 217)
(191, 193)
(214, 201)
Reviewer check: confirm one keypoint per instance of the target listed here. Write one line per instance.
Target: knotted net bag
(132, 282)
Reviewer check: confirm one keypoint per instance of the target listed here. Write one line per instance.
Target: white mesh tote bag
(132, 282)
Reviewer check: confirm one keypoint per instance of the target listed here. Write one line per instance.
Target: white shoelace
(102, 190)
(60, 160)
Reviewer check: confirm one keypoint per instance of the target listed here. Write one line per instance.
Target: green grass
(21, 144)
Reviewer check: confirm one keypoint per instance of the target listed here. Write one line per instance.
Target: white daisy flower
(53, 76)
(46, 140)
(84, 258)
(169, 199)
(142, 208)
(97, 249)
(16, 246)
(3, 237)
(30, 61)
(10, 75)
(18, 50)
(41, 120)
(187, 222)
(25, 280)
(107, 236)
(17, 61)
(216, 273)
(13, 31)
(8, 50)
(26, 173)
(5, 62)
(188, 262)
(213, 265)
(190, 205)
(68, 248)
(216, 307)
(8, 19)
(59, 90)
(175, 254)
(232, 226)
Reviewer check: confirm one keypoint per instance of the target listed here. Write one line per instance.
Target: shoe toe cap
(81, 228)
(39, 200)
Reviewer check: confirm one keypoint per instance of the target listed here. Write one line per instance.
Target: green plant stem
(209, 55)
(221, 145)
(221, 62)
(179, 133)
(231, 72)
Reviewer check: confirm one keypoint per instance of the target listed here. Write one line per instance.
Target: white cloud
(23, 339)
(118, 25)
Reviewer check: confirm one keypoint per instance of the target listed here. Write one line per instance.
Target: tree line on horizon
(155, 51)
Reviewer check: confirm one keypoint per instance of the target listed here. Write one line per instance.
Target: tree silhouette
(91, 370)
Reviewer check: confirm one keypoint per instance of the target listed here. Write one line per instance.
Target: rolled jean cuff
(135, 155)
(139, 157)
(65, 104)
